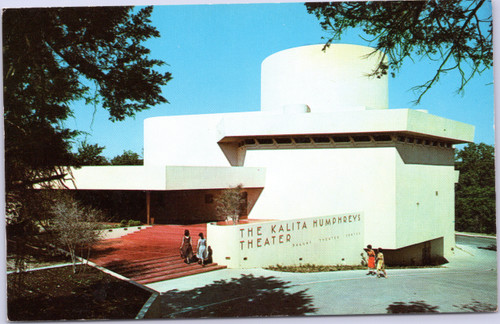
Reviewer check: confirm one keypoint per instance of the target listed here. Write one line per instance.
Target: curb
(147, 305)
(44, 268)
(117, 232)
(476, 235)
(150, 307)
(145, 308)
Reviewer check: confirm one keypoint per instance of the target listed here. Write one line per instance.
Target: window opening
(382, 138)
(302, 140)
(341, 139)
(321, 139)
(265, 141)
(361, 138)
(283, 140)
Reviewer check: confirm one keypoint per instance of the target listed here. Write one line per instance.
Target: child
(371, 259)
(380, 263)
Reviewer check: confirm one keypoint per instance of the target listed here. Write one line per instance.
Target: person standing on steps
(186, 247)
(209, 255)
(380, 263)
(202, 252)
(371, 259)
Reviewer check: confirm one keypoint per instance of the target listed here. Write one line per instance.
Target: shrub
(134, 223)
(75, 227)
(230, 203)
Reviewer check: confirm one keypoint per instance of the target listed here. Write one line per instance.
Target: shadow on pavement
(477, 306)
(491, 247)
(240, 297)
(411, 307)
(101, 251)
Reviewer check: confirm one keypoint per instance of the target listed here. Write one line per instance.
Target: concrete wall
(121, 231)
(309, 183)
(425, 253)
(404, 204)
(117, 177)
(335, 79)
(317, 240)
(181, 177)
(212, 140)
(409, 121)
(183, 141)
(155, 177)
(423, 154)
(425, 204)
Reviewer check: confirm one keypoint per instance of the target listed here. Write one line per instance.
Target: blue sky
(214, 53)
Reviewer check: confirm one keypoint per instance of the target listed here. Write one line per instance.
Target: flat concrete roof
(408, 121)
(162, 178)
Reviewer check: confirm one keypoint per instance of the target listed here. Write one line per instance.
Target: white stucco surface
(369, 121)
(183, 140)
(311, 183)
(330, 80)
(326, 240)
(193, 140)
(163, 178)
(425, 204)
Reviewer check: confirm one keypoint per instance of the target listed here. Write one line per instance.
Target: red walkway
(151, 254)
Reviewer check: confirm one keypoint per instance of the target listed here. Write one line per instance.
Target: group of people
(202, 251)
(376, 265)
(375, 261)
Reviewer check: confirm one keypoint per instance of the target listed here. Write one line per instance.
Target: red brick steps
(176, 273)
(151, 254)
(159, 265)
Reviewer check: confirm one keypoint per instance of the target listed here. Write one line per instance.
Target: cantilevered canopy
(400, 121)
(162, 178)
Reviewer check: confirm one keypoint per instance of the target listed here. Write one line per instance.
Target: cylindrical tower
(332, 80)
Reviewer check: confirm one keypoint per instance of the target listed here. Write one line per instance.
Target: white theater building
(326, 168)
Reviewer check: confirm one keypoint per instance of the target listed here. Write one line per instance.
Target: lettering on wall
(290, 232)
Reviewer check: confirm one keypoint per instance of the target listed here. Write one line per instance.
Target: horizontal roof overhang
(162, 178)
(400, 121)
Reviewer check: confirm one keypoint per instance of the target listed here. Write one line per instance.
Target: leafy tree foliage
(54, 56)
(230, 203)
(90, 154)
(451, 32)
(127, 158)
(19, 230)
(475, 207)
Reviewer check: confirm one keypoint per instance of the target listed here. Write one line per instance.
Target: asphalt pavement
(467, 283)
